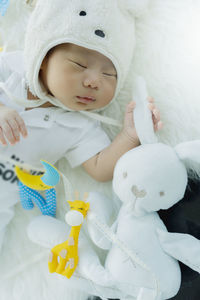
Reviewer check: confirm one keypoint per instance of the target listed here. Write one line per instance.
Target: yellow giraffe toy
(68, 251)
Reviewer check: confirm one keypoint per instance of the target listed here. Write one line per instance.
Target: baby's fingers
(128, 120)
(15, 129)
(150, 99)
(2, 138)
(8, 133)
(156, 114)
(157, 123)
(21, 126)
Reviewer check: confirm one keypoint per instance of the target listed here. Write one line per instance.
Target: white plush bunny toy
(146, 179)
(142, 256)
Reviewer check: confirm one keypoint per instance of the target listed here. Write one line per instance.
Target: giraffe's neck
(75, 230)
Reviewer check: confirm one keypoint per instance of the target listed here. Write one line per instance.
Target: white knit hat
(106, 26)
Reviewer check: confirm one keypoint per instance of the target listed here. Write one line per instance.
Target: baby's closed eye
(79, 64)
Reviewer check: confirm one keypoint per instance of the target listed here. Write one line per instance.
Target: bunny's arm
(183, 247)
(102, 208)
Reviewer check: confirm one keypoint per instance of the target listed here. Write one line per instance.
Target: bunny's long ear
(142, 115)
(134, 7)
(189, 151)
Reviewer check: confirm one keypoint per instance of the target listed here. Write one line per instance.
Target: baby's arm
(11, 125)
(101, 166)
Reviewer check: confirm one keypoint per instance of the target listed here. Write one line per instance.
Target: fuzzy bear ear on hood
(134, 7)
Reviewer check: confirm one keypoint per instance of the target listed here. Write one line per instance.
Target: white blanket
(167, 56)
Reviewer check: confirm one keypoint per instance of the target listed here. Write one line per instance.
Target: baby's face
(80, 78)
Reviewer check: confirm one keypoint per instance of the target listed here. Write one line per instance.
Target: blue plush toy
(3, 6)
(29, 196)
(30, 184)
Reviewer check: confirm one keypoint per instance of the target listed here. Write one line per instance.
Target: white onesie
(52, 134)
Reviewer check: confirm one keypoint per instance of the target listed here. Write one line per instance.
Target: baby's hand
(11, 125)
(129, 126)
(157, 123)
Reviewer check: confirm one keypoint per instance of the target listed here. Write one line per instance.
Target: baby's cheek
(109, 92)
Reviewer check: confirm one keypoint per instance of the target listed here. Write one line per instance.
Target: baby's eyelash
(107, 74)
(79, 65)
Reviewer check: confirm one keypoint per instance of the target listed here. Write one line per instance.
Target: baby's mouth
(85, 100)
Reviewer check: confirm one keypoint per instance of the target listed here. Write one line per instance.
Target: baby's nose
(91, 80)
(138, 193)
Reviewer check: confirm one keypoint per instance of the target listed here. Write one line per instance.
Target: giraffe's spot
(71, 241)
(63, 253)
(71, 263)
(50, 257)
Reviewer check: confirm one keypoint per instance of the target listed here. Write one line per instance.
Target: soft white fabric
(142, 114)
(5, 217)
(183, 247)
(189, 151)
(43, 33)
(167, 56)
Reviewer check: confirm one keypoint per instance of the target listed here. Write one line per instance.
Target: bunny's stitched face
(151, 177)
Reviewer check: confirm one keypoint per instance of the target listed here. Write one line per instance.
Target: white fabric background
(168, 56)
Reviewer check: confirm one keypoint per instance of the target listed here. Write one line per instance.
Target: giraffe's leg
(53, 262)
(62, 262)
(68, 272)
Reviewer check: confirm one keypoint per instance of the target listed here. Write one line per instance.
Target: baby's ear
(189, 151)
(134, 7)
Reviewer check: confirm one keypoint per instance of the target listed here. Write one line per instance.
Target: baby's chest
(42, 143)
